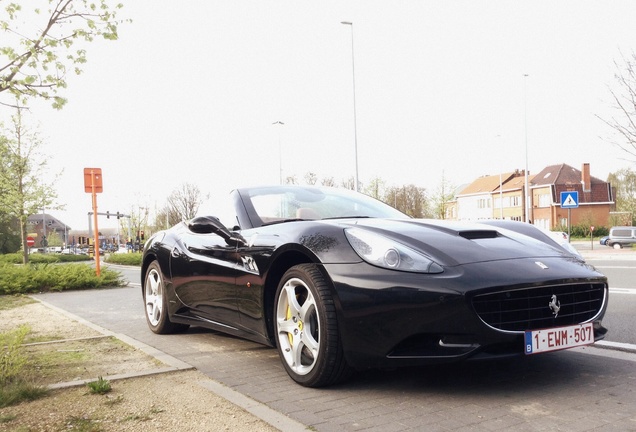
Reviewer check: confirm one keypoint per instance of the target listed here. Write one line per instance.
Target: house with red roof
(502, 197)
(595, 197)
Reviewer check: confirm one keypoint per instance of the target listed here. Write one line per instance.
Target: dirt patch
(81, 359)
(62, 350)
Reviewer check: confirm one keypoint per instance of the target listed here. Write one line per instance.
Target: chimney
(585, 178)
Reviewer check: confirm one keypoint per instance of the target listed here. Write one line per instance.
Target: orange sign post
(93, 185)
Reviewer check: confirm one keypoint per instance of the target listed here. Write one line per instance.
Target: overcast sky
(190, 91)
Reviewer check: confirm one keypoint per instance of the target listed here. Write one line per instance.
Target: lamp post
(280, 153)
(525, 126)
(355, 128)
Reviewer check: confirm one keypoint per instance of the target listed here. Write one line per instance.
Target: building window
(483, 203)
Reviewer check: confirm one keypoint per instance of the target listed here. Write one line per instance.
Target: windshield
(282, 203)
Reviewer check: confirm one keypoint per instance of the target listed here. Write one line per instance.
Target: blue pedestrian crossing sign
(569, 199)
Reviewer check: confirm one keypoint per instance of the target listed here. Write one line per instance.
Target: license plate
(538, 341)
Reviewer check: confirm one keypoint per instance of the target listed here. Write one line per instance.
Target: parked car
(339, 281)
(603, 240)
(621, 236)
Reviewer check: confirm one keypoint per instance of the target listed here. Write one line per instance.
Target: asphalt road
(583, 389)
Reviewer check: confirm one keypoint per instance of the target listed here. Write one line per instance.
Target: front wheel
(156, 303)
(307, 333)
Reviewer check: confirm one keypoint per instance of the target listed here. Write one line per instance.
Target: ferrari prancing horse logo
(555, 305)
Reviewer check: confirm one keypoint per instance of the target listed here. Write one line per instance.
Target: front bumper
(392, 319)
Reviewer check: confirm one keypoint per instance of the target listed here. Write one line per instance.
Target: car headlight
(383, 252)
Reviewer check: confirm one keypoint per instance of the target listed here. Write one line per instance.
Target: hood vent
(479, 234)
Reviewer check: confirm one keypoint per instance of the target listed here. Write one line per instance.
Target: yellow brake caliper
(288, 315)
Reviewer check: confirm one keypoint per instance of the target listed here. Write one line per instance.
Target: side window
(622, 233)
(228, 217)
(224, 211)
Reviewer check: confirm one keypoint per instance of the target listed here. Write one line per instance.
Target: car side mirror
(212, 225)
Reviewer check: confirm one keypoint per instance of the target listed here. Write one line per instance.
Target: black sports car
(339, 281)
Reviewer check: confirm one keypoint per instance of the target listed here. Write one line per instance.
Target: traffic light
(142, 235)
(118, 215)
(107, 214)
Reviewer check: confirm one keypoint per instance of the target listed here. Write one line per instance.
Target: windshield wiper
(285, 220)
(349, 217)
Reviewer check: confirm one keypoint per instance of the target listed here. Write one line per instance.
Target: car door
(255, 258)
(204, 270)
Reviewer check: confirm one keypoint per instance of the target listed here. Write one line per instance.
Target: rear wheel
(156, 303)
(617, 246)
(307, 333)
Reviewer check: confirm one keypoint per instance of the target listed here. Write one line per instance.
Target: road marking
(616, 267)
(622, 290)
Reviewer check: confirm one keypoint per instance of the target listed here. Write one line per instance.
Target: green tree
(375, 188)
(41, 44)
(9, 238)
(624, 182)
(444, 195)
(26, 187)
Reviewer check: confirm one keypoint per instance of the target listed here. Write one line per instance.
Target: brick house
(42, 225)
(596, 198)
(502, 197)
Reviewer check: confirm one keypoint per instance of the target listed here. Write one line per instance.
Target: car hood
(457, 243)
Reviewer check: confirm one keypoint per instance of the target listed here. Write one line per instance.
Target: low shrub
(21, 279)
(12, 360)
(16, 258)
(582, 231)
(14, 386)
(101, 386)
(132, 259)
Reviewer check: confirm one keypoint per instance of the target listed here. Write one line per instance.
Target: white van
(622, 236)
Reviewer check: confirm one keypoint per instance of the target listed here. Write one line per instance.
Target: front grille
(528, 308)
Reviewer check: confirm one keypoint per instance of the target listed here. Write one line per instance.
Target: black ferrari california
(338, 281)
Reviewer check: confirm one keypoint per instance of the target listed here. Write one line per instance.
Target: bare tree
(311, 178)
(291, 180)
(183, 203)
(349, 183)
(624, 99)
(409, 199)
(328, 181)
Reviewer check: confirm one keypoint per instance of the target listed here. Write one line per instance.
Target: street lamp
(525, 125)
(355, 128)
(280, 154)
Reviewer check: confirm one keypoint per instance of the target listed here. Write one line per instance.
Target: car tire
(617, 246)
(307, 335)
(156, 303)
